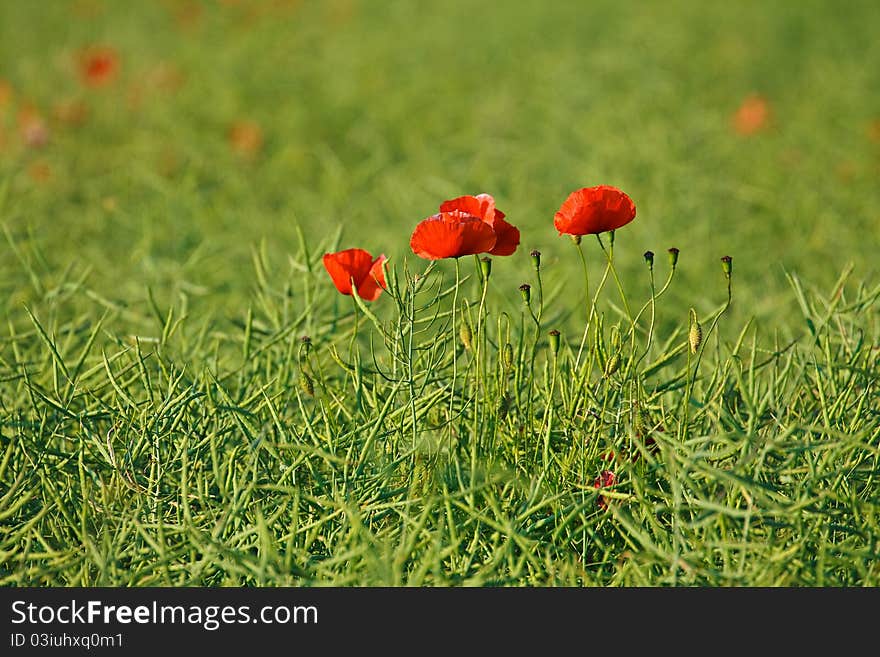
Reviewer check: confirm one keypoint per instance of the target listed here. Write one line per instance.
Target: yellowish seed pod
(466, 336)
(305, 382)
(507, 356)
(612, 365)
(695, 335)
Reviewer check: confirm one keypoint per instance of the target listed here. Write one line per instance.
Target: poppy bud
(695, 335)
(649, 258)
(507, 356)
(466, 335)
(485, 267)
(727, 265)
(554, 342)
(575, 238)
(536, 259)
(526, 290)
(673, 257)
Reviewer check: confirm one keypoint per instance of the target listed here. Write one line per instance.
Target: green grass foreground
(163, 421)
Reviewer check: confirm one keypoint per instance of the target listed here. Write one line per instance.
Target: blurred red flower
(452, 235)
(752, 116)
(359, 267)
(604, 480)
(483, 207)
(246, 138)
(594, 210)
(98, 65)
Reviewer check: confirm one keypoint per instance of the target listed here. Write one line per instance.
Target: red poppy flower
(246, 138)
(594, 210)
(452, 235)
(98, 66)
(483, 207)
(359, 267)
(605, 479)
(752, 116)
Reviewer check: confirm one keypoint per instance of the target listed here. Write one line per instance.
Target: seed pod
(673, 257)
(507, 356)
(695, 335)
(639, 422)
(305, 382)
(466, 336)
(613, 364)
(727, 265)
(649, 259)
(526, 290)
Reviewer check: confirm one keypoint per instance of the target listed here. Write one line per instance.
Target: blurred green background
(227, 122)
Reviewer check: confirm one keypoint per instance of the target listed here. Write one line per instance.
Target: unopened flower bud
(575, 238)
(554, 342)
(536, 259)
(485, 267)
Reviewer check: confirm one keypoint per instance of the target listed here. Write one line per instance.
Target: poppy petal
(478, 237)
(347, 265)
(506, 236)
(481, 206)
(373, 283)
(451, 235)
(594, 210)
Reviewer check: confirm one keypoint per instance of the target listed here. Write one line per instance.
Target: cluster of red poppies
(470, 225)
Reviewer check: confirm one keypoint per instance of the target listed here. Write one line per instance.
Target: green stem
(454, 341)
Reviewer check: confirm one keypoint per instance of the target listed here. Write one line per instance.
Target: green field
(162, 421)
